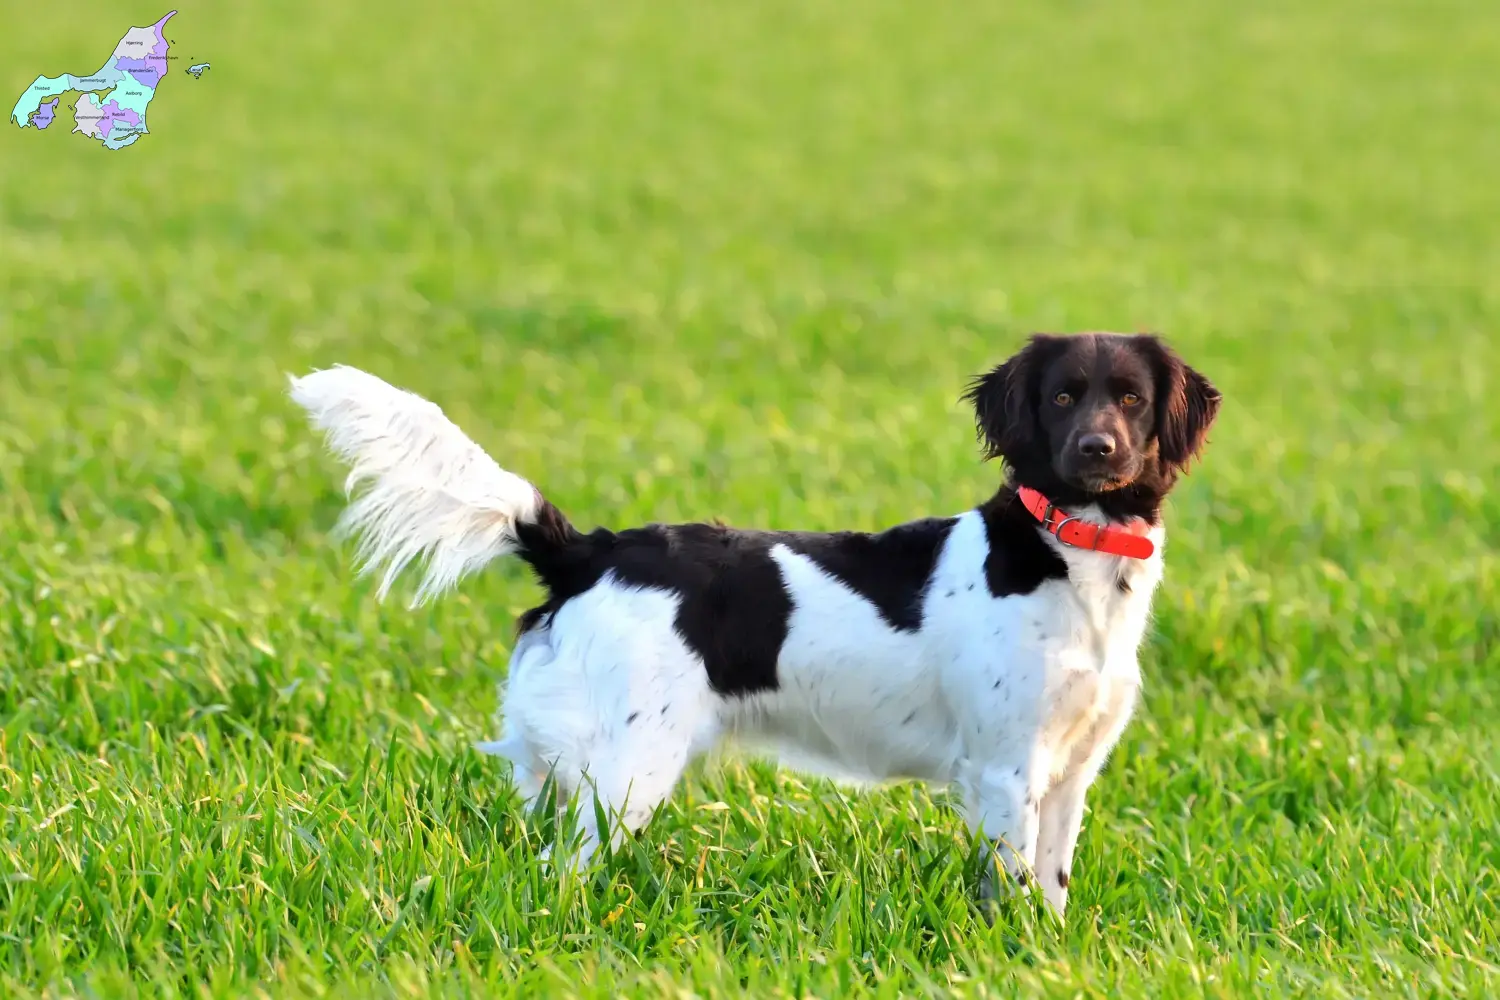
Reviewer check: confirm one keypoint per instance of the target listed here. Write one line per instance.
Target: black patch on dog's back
(735, 608)
(1019, 559)
(890, 569)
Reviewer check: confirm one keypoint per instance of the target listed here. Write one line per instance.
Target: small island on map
(197, 69)
(112, 102)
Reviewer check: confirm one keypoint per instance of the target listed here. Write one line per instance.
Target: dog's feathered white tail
(429, 492)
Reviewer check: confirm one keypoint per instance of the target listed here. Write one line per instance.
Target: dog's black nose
(1097, 445)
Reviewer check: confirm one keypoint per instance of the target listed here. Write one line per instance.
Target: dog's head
(1095, 418)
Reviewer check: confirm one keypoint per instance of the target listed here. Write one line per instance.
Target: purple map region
(43, 115)
(114, 113)
(146, 71)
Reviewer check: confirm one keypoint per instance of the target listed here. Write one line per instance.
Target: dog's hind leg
(613, 710)
(624, 788)
(669, 717)
(633, 769)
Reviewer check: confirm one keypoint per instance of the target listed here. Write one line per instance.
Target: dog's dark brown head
(1095, 418)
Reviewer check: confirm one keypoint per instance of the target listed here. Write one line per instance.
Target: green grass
(672, 263)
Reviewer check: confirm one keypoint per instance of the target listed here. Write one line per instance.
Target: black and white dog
(995, 650)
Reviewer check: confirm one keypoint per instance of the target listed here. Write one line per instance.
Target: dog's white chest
(1093, 668)
(1084, 707)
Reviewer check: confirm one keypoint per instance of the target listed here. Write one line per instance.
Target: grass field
(676, 263)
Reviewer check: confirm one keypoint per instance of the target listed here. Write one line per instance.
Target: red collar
(1127, 540)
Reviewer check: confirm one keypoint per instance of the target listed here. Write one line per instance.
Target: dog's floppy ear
(1186, 405)
(1004, 399)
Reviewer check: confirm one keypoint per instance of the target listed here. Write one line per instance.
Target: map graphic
(112, 102)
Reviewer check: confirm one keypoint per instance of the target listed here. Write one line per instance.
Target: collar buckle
(1106, 539)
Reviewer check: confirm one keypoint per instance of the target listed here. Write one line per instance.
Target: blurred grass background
(674, 262)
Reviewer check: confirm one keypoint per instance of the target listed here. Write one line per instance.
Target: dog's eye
(1063, 399)
(1129, 399)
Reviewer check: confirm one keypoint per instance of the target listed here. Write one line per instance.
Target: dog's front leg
(1004, 811)
(1062, 807)
(1061, 820)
